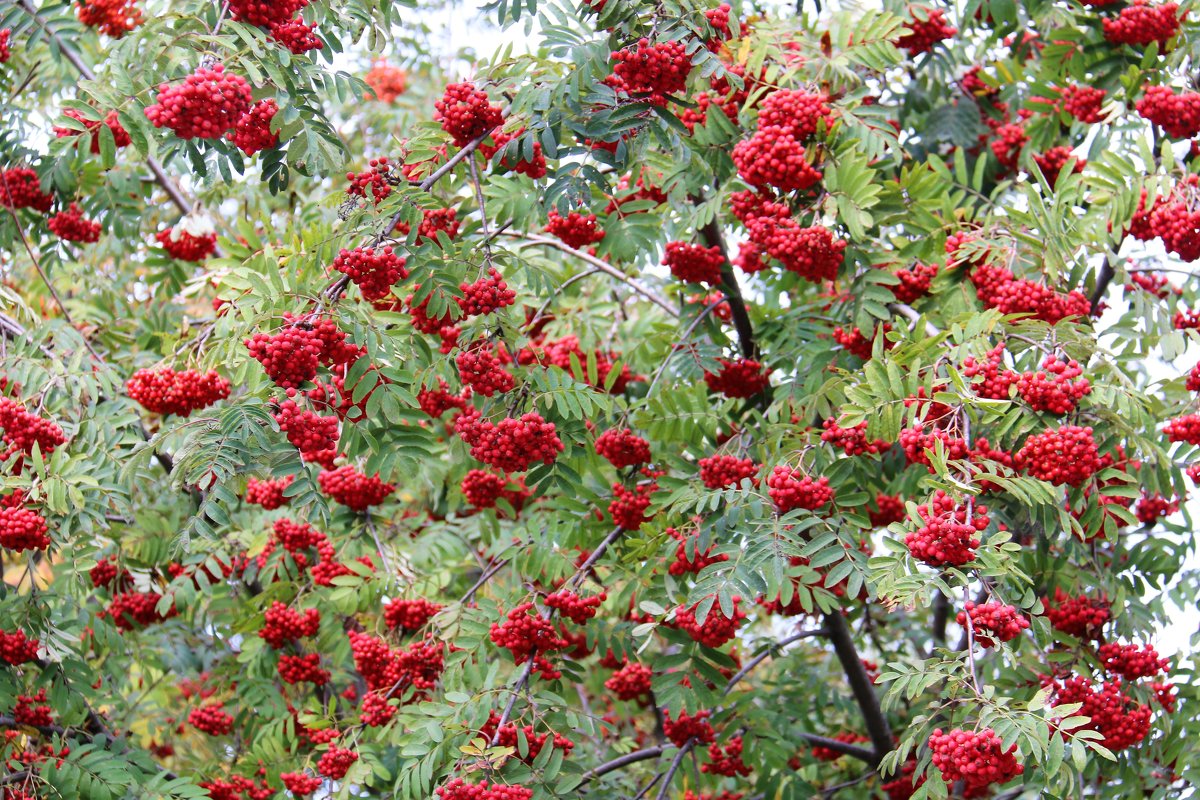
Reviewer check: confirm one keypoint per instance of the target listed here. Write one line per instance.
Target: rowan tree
(719, 402)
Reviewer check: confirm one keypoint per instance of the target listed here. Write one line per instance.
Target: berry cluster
(1081, 617)
(353, 489)
(915, 282)
(1152, 507)
(697, 560)
(726, 760)
(856, 344)
(113, 18)
(1177, 114)
(773, 158)
(1122, 721)
(481, 369)
(458, 789)
(106, 572)
(1183, 429)
(1143, 24)
(20, 187)
(534, 167)
(70, 225)
(482, 489)
(485, 295)
(315, 436)
(631, 682)
(5, 52)
(282, 624)
(575, 230)
(1083, 103)
(889, 508)
(409, 616)
(565, 353)
(514, 444)
(376, 181)
(165, 391)
(252, 130)
(23, 430)
(1174, 220)
(1053, 388)
(720, 471)
(130, 610)
(296, 36)
(466, 114)
(32, 710)
(1052, 161)
(300, 784)
(927, 28)
(657, 70)
(623, 448)
(290, 356)
(336, 762)
(22, 528)
(212, 719)
(575, 608)
(978, 759)
(812, 253)
(373, 271)
(303, 669)
(185, 245)
(789, 488)
(717, 628)
(740, 378)
(265, 13)
(16, 648)
(628, 506)
(688, 727)
(204, 106)
(387, 81)
(418, 665)
(1065, 455)
(992, 622)
(694, 263)
(268, 493)
(433, 221)
(997, 380)
(526, 634)
(950, 532)
(997, 288)
(112, 121)
(436, 402)
(1131, 661)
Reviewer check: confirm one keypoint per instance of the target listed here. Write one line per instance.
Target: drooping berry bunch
(772, 157)
(372, 270)
(485, 295)
(997, 288)
(679, 730)
(282, 624)
(1052, 161)
(631, 682)
(268, 493)
(303, 669)
(575, 230)
(212, 719)
(265, 13)
(717, 628)
(433, 221)
(623, 448)
(32, 710)
(112, 122)
(889, 508)
(353, 489)
(113, 18)
(252, 130)
(512, 445)
(22, 528)
(719, 471)
(131, 610)
(688, 555)
(1083, 103)
(70, 225)
(5, 50)
(694, 263)
(853, 341)
(1183, 429)
(315, 436)
(1140, 23)
(1131, 661)
(1175, 220)
(1120, 720)
(384, 669)
(20, 187)
(1082, 617)
(813, 253)
(466, 114)
(628, 506)
(853, 440)
(914, 282)
(204, 106)
(387, 81)
(290, 356)
(977, 758)
(992, 622)
(566, 354)
(458, 789)
(375, 181)
(17, 648)
(300, 784)
(950, 532)
(165, 391)
(790, 488)
(726, 760)
(1177, 114)
(507, 736)
(186, 245)
(1064, 455)
(997, 379)
(575, 608)
(23, 430)
(534, 165)
(436, 402)
(481, 368)
(1054, 387)
(527, 635)
(927, 28)
(740, 378)
(336, 762)
(410, 616)
(1152, 507)
(296, 36)
(655, 70)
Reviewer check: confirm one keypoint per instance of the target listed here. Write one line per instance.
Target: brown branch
(1104, 277)
(622, 761)
(860, 685)
(838, 746)
(711, 232)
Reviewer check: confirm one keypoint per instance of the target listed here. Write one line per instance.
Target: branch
(838, 746)
(603, 266)
(860, 684)
(666, 784)
(754, 662)
(733, 291)
(1103, 278)
(622, 761)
